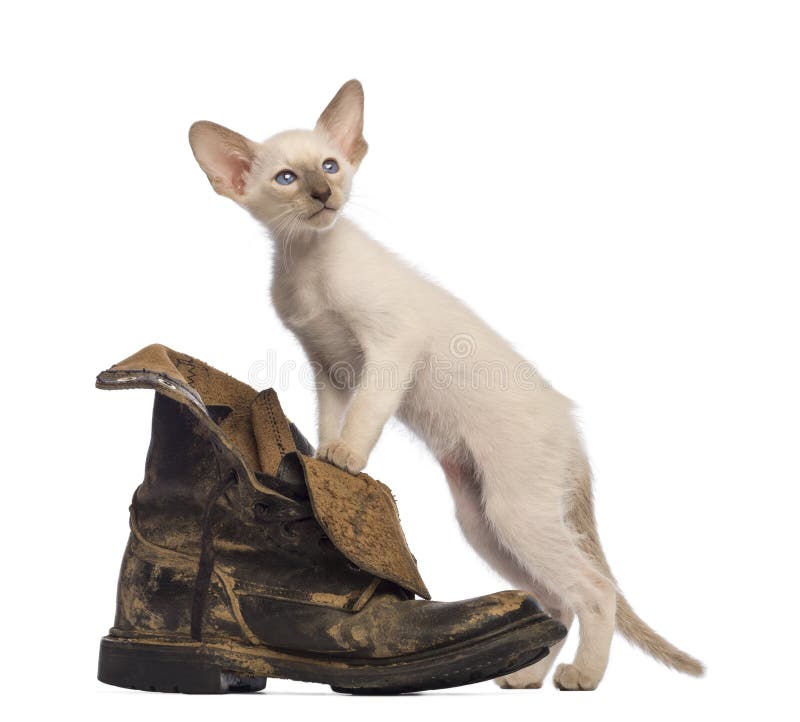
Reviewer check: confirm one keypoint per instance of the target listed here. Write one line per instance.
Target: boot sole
(159, 665)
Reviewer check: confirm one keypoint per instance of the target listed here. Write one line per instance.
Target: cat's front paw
(339, 454)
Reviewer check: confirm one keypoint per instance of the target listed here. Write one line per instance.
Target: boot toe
(388, 626)
(457, 622)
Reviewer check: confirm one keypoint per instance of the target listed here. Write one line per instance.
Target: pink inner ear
(239, 168)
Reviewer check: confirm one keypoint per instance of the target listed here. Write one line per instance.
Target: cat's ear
(343, 121)
(225, 156)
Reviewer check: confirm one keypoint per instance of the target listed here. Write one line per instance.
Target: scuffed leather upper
(388, 626)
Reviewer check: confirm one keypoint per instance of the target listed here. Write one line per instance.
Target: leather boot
(248, 558)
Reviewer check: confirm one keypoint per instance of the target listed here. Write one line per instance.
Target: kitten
(508, 444)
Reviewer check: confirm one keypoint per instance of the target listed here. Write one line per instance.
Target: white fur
(509, 445)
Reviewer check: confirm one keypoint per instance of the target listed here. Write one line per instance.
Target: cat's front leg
(331, 403)
(374, 401)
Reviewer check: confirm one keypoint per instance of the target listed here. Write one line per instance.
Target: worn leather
(387, 626)
(273, 548)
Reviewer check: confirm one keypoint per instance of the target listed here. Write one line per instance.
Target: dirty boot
(248, 558)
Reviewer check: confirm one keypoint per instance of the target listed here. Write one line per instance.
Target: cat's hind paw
(527, 678)
(339, 454)
(569, 678)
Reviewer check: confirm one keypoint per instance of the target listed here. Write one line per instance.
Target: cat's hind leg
(523, 501)
(533, 677)
(465, 489)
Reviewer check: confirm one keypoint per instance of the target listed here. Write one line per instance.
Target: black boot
(248, 558)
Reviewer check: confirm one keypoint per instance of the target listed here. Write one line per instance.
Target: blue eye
(285, 178)
(330, 166)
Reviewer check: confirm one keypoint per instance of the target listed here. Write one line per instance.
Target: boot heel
(156, 668)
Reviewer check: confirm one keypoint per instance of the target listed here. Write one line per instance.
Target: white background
(614, 186)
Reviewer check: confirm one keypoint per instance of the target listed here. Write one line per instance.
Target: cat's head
(296, 180)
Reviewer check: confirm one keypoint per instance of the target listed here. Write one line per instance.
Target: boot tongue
(360, 517)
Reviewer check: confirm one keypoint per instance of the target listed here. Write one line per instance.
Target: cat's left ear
(343, 121)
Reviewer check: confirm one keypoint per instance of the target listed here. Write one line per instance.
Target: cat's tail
(629, 624)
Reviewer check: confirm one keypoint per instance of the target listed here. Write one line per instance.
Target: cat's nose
(321, 194)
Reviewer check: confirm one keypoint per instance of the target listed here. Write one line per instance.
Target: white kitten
(386, 341)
